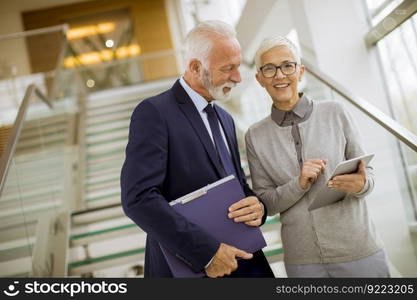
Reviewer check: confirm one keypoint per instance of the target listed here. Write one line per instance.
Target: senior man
(180, 141)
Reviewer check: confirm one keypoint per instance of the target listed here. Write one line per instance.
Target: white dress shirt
(201, 103)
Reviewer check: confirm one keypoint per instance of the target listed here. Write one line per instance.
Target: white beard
(216, 91)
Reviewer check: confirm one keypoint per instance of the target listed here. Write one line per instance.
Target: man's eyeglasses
(270, 70)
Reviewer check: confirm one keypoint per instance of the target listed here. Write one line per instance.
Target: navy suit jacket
(170, 154)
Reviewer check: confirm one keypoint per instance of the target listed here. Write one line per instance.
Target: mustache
(228, 85)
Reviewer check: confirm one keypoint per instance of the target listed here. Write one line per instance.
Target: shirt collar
(300, 109)
(198, 100)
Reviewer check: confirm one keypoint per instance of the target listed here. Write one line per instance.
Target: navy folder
(208, 208)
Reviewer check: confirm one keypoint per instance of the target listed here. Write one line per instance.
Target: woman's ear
(302, 69)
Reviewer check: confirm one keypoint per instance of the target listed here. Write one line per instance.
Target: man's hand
(311, 170)
(350, 183)
(249, 210)
(224, 261)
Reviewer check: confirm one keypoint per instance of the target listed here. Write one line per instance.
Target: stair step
(104, 193)
(99, 203)
(107, 142)
(39, 191)
(97, 215)
(82, 230)
(117, 152)
(98, 108)
(29, 209)
(114, 195)
(17, 267)
(106, 131)
(274, 249)
(104, 169)
(106, 185)
(100, 126)
(97, 104)
(105, 178)
(117, 116)
(134, 255)
(122, 132)
(110, 113)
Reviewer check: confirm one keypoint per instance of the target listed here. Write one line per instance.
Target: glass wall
(398, 57)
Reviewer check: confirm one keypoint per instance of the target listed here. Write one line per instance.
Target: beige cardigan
(340, 232)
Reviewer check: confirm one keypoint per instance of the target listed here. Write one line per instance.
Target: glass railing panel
(24, 64)
(40, 181)
(125, 72)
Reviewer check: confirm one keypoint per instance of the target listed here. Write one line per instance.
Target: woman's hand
(311, 170)
(350, 183)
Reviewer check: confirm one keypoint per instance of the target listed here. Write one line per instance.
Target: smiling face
(283, 89)
(215, 77)
(222, 73)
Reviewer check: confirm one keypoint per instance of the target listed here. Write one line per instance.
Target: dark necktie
(221, 148)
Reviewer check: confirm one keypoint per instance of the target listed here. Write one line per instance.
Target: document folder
(208, 208)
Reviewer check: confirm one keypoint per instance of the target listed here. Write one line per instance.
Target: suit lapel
(190, 111)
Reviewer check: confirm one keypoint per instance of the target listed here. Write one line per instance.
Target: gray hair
(269, 43)
(198, 42)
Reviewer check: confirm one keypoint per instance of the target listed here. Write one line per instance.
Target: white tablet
(327, 196)
(351, 165)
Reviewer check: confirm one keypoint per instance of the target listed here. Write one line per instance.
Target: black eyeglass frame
(279, 67)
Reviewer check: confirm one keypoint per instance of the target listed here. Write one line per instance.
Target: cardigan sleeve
(276, 198)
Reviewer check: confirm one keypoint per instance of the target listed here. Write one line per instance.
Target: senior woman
(290, 153)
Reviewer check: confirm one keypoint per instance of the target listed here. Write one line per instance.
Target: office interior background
(72, 71)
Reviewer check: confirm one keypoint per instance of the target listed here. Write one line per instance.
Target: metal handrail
(45, 30)
(392, 126)
(31, 90)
